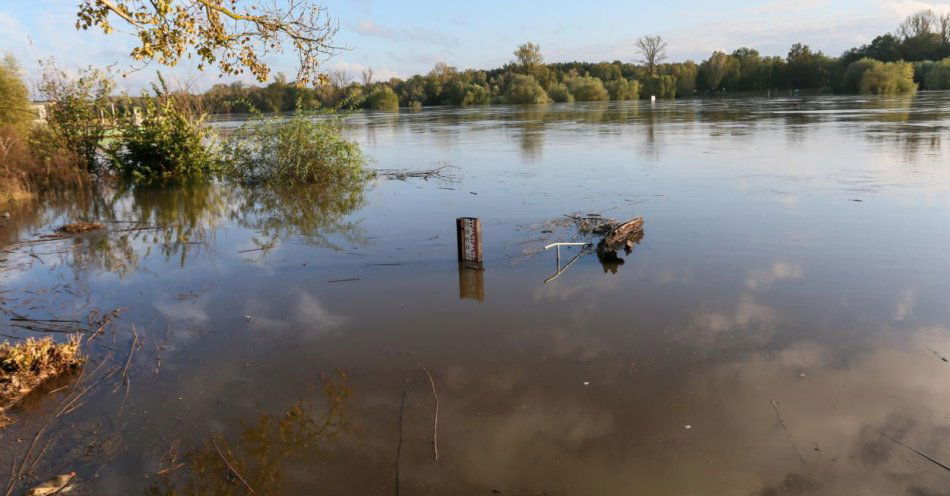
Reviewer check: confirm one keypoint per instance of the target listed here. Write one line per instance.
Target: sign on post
(469, 230)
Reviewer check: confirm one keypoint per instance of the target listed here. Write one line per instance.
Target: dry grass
(30, 363)
(29, 165)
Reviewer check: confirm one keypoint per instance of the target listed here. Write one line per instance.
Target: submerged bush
(890, 78)
(476, 95)
(383, 98)
(559, 93)
(301, 149)
(622, 89)
(663, 86)
(938, 77)
(171, 143)
(525, 89)
(851, 81)
(588, 89)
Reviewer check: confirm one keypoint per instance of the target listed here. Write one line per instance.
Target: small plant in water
(305, 148)
(29, 363)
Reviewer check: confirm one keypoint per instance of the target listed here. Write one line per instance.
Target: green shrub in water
(170, 143)
(302, 149)
(938, 77)
(891, 78)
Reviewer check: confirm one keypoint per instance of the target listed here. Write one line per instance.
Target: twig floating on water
(435, 420)
(344, 280)
(915, 450)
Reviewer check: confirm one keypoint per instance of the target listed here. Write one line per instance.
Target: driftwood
(625, 236)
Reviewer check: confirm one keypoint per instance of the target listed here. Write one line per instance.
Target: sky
(399, 39)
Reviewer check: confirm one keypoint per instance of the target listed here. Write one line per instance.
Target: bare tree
(652, 50)
(368, 76)
(339, 78)
(231, 34)
(922, 23)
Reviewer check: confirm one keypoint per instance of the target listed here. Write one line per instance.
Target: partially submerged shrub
(890, 78)
(622, 89)
(525, 89)
(171, 142)
(588, 89)
(383, 98)
(559, 93)
(851, 81)
(660, 86)
(938, 77)
(476, 95)
(304, 149)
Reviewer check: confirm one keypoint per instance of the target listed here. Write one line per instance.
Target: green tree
(76, 109)
(663, 86)
(525, 89)
(717, 68)
(559, 93)
(889, 78)
(15, 110)
(528, 54)
(623, 89)
(855, 72)
(383, 98)
(938, 78)
(235, 36)
(587, 89)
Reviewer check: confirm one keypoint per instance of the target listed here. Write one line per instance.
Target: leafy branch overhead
(235, 35)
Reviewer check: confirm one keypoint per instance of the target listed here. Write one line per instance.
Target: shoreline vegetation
(916, 56)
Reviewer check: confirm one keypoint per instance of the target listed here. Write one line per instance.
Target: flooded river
(782, 328)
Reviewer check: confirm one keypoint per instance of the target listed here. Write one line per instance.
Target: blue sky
(410, 36)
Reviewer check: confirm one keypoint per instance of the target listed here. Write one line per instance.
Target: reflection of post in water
(471, 282)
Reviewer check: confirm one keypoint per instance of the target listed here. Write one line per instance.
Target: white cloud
(904, 8)
(414, 34)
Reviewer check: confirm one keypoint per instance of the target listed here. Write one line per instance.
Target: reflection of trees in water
(314, 212)
(177, 222)
(260, 454)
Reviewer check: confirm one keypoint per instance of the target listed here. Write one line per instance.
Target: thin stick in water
(231, 467)
(435, 420)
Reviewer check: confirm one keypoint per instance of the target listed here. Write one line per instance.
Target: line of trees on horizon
(916, 56)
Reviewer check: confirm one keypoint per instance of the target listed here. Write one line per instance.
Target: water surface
(781, 329)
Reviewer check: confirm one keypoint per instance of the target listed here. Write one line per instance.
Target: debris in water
(625, 236)
(30, 363)
(687, 427)
(79, 227)
(424, 174)
(56, 485)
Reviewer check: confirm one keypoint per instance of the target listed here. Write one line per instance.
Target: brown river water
(782, 328)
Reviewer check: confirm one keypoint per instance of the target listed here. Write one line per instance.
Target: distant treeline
(916, 56)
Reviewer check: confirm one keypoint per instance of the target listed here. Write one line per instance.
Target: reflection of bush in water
(177, 221)
(313, 211)
(261, 451)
